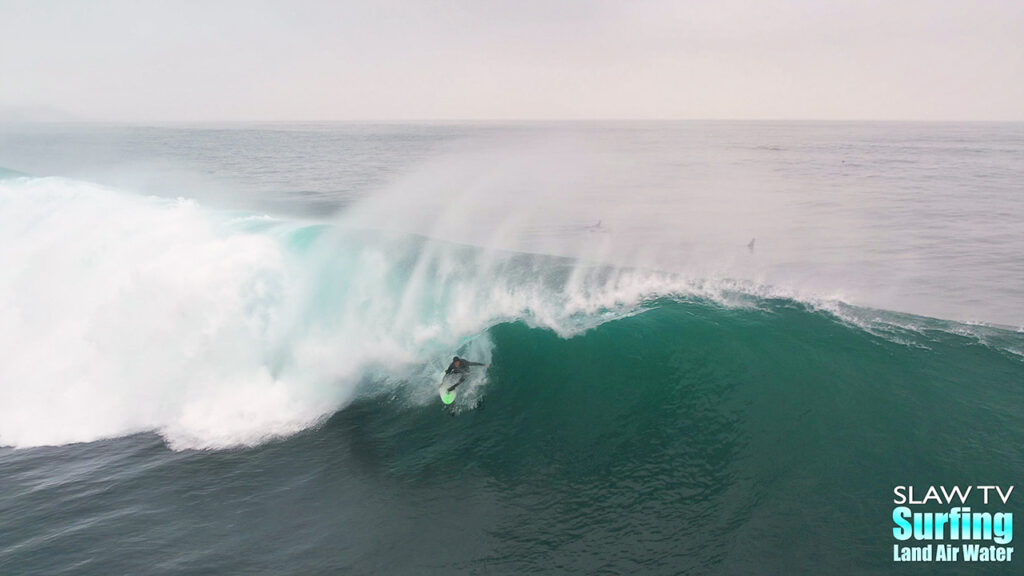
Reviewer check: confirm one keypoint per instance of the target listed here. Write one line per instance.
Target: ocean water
(713, 347)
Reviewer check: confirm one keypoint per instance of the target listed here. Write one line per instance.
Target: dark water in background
(682, 418)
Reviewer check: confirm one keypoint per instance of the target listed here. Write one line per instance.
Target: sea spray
(127, 313)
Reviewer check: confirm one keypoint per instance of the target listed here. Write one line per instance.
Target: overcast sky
(512, 59)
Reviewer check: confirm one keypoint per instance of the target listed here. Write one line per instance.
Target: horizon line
(502, 120)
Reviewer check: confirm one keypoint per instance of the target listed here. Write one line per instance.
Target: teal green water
(697, 438)
(189, 390)
(689, 438)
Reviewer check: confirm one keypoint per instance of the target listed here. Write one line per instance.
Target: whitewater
(127, 311)
(713, 347)
(137, 313)
(131, 313)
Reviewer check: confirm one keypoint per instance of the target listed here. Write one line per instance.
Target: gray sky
(512, 59)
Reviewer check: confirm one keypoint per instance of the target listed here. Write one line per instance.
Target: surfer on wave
(460, 366)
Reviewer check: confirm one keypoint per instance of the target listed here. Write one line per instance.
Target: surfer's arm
(456, 385)
(468, 363)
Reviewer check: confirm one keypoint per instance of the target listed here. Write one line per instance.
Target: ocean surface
(713, 347)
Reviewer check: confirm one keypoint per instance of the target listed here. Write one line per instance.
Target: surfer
(460, 366)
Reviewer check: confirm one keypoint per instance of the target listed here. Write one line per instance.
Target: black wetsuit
(460, 366)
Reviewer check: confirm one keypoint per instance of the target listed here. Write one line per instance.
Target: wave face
(128, 314)
(719, 439)
(630, 420)
(688, 438)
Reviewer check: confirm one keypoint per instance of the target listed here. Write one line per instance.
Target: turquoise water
(225, 345)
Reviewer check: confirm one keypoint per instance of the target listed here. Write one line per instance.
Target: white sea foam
(125, 313)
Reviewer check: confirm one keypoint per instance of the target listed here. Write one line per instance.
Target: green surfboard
(448, 396)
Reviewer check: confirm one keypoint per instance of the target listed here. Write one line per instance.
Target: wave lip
(126, 314)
